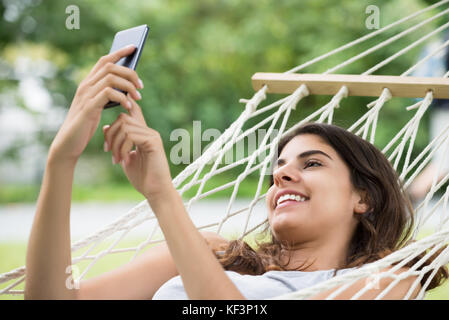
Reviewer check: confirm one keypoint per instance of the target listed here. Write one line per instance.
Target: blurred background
(197, 63)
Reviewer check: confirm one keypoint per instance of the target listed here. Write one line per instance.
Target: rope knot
(251, 105)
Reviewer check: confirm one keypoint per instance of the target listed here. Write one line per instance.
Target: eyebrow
(306, 154)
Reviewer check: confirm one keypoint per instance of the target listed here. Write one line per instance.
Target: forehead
(306, 142)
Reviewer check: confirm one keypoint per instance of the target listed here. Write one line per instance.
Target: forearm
(48, 252)
(203, 276)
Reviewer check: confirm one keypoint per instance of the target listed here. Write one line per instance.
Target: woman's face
(309, 167)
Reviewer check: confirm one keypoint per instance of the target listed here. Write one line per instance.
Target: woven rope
(276, 116)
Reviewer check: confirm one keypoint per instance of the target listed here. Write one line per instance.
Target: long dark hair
(384, 228)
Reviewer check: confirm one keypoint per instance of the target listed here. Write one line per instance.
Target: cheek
(269, 212)
(267, 201)
(269, 204)
(334, 202)
(269, 197)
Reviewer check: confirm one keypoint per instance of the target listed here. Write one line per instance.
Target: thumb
(105, 130)
(136, 111)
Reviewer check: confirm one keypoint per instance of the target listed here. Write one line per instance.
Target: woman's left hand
(146, 167)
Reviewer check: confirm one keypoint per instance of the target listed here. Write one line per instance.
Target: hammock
(276, 115)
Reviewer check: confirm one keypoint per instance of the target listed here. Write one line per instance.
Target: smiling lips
(287, 197)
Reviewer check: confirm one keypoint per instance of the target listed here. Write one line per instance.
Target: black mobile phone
(135, 36)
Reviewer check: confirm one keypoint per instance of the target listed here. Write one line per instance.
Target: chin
(283, 227)
(288, 216)
(290, 226)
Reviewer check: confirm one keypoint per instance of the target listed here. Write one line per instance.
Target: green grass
(12, 255)
(439, 293)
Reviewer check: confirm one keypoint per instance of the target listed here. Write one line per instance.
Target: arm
(49, 247)
(202, 275)
(141, 278)
(399, 291)
(136, 280)
(147, 169)
(48, 252)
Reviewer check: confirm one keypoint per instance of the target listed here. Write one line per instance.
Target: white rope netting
(274, 120)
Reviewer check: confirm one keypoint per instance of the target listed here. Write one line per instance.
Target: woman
(334, 219)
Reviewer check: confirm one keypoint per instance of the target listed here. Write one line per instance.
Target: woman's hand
(90, 98)
(146, 167)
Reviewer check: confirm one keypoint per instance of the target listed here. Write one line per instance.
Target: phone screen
(135, 36)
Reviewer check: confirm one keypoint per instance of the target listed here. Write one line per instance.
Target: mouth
(288, 199)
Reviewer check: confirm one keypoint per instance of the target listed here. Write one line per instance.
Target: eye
(312, 163)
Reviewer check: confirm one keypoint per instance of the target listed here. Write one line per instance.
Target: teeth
(290, 197)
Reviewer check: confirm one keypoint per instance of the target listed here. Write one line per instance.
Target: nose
(285, 174)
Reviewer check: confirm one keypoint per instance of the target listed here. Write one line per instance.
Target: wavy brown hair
(384, 228)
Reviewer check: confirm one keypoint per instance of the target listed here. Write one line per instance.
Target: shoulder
(401, 282)
(214, 240)
(392, 284)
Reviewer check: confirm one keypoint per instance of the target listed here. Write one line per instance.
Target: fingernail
(105, 146)
(140, 84)
(113, 160)
(123, 162)
(129, 105)
(138, 95)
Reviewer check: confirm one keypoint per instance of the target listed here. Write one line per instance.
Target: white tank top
(268, 285)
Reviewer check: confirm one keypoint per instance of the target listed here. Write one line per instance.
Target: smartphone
(135, 36)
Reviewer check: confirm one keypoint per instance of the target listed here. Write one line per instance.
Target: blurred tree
(200, 55)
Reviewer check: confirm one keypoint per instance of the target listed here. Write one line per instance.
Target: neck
(313, 256)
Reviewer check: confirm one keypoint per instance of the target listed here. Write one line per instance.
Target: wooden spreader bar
(358, 85)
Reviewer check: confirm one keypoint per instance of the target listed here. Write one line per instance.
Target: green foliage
(200, 55)
(196, 65)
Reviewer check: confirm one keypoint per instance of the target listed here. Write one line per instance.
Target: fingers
(110, 133)
(116, 82)
(125, 148)
(105, 129)
(107, 144)
(124, 141)
(108, 94)
(115, 135)
(136, 111)
(106, 74)
(125, 133)
(112, 57)
(116, 146)
(122, 72)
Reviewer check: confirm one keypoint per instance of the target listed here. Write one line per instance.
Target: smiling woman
(334, 203)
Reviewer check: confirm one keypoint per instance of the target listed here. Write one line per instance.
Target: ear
(361, 204)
